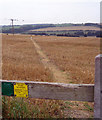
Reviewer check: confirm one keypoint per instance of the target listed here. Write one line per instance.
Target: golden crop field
(68, 28)
(75, 56)
(20, 60)
(31, 60)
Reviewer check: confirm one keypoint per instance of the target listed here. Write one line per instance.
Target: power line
(12, 20)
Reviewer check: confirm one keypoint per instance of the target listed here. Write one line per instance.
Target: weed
(17, 108)
(69, 103)
(88, 107)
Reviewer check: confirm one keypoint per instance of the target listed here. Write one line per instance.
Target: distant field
(68, 28)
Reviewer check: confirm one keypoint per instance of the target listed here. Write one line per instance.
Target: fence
(59, 91)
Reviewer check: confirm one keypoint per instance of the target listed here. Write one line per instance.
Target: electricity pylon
(13, 25)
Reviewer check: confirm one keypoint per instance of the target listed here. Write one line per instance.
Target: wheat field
(20, 60)
(68, 28)
(73, 56)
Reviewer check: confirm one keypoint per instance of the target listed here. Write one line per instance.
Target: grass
(22, 108)
(69, 103)
(88, 107)
(16, 108)
(21, 62)
(75, 56)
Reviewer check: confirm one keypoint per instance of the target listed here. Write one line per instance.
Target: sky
(49, 11)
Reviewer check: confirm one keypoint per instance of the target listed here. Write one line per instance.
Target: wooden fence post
(98, 87)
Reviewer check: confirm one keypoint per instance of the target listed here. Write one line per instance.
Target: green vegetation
(25, 108)
(67, 33)
(23, 28)
(15, 108)
(26, 29)
(69, 103)
(87, 107)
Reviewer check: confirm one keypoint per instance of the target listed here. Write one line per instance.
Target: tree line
(25, 29)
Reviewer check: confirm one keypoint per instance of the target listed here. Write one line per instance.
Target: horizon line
(50, 23)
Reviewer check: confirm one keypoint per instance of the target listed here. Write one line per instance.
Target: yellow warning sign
(21, 90)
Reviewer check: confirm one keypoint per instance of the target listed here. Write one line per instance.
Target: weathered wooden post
(98, 87)
(0, 71)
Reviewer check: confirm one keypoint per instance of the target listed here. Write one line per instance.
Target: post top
(99, 56)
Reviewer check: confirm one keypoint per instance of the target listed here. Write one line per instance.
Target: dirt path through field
(58, 75)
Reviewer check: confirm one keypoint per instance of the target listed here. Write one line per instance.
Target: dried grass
(75, 56)
(20, 60)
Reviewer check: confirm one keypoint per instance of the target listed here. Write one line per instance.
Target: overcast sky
(49, 11)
